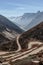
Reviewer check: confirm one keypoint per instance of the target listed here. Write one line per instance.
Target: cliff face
(35, 33)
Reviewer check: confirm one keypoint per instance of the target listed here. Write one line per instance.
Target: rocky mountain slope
(34, 34)
(7, 24)
(8, 32)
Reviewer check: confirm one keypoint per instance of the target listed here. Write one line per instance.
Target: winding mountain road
(15, 56)
(19, 46)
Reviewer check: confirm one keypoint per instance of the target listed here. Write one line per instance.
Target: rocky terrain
(8, 32)
(24, 49)
(34, 34)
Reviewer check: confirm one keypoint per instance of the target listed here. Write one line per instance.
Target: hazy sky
(18, 7)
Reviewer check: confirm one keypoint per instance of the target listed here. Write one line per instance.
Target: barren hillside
(34, 34)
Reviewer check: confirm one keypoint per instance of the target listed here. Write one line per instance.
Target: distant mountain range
(28, 20)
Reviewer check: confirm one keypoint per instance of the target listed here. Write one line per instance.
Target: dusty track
(15, 56)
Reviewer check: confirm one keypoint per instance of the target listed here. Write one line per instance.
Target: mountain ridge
(28, 20)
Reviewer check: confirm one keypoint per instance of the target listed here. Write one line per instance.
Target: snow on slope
(38, 19)
(28, 20)
(24, 20)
